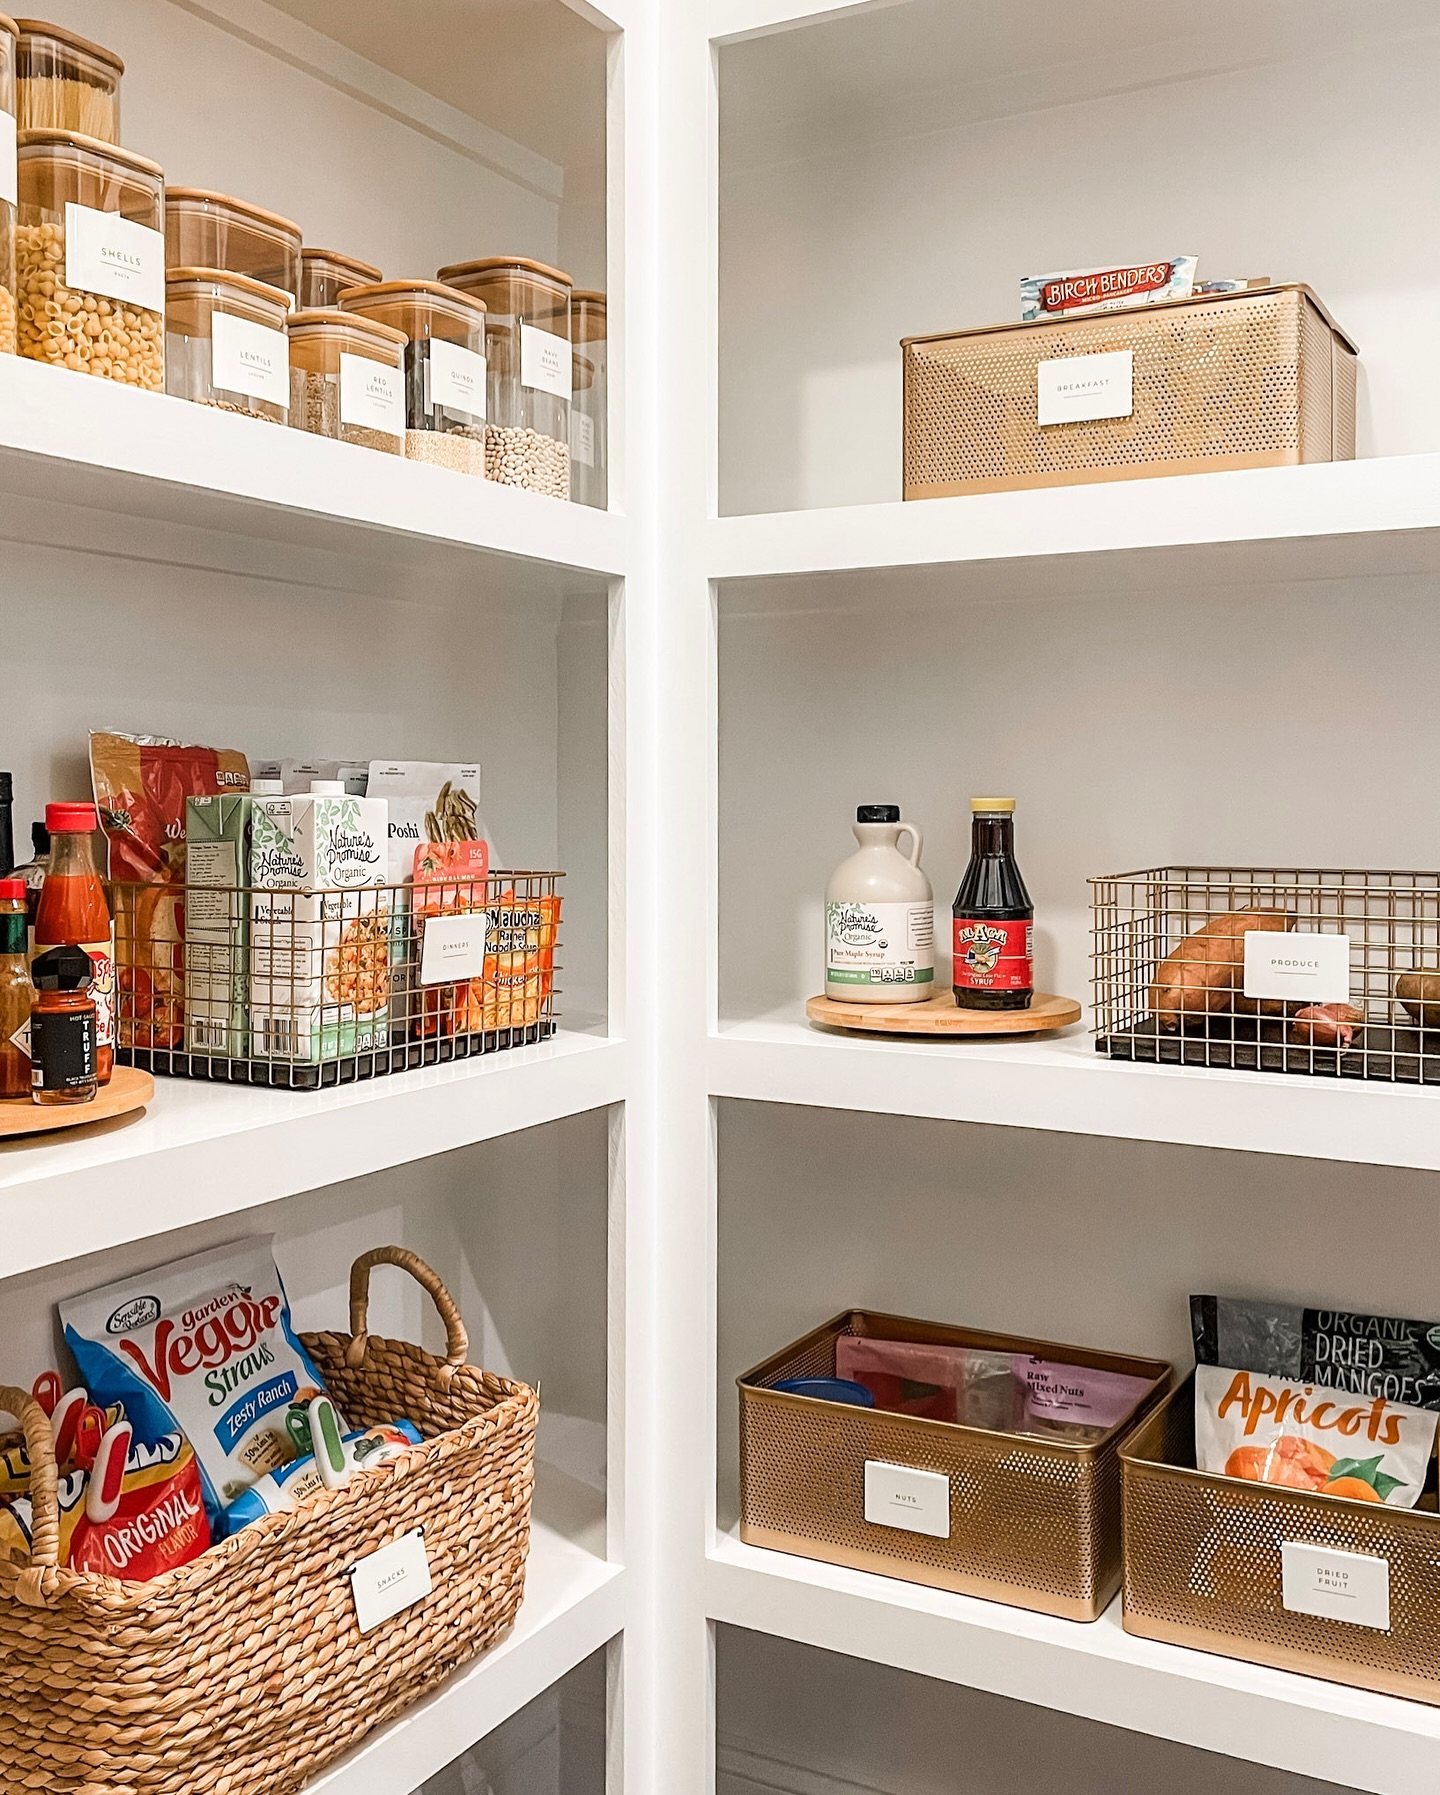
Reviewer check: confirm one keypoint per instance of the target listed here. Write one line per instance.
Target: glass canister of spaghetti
(63, 1050)
(994, 918)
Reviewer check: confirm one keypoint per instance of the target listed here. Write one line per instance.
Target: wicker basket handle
(457, 1341)
(44, 1494)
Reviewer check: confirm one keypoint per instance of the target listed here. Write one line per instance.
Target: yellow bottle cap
(992, 803)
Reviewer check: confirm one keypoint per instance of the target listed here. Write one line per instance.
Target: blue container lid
(828, 1389)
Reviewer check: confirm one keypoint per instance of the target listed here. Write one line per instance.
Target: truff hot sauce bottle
(994, 959)
(73, 911)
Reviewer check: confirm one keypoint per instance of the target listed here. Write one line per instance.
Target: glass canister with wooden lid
(589, 406)
(225, 342)
(325, 274)
(347, 379)
(66, 83)
(445, 368)
(90, 258)
(8, 33)
(528, 349)
(213, 230)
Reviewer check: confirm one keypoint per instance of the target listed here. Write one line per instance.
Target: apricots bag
(1306, 1437)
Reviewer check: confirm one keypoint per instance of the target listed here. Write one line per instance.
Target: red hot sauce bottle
(994, 958)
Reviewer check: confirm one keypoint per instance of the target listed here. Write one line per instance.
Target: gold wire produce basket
(1170, 981)
(1260, 378)
(304, 988)
(1204, 1567)
(1033, 1521)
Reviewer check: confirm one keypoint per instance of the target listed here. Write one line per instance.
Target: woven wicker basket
(244, 1672)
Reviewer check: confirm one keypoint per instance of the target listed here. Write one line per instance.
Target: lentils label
(113, 256)
(372, 395)
(249, 358)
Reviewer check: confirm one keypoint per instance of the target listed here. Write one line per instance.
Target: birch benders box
(1261, 378)
(217, 923)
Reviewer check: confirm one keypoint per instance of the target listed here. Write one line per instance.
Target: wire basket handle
(457, 1341)
(44, 1492)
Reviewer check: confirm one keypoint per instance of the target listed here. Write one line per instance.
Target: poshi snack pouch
(1306, 1437)
(1375, 1355)
(1075, 291)
(159, 1520)
(204, 1348)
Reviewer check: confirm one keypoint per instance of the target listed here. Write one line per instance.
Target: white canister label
(455, 380)
(111, 255)
(249, 358)
(582, 438)
(372, 395)
(9, 181)
(545, 361)
(879, 944)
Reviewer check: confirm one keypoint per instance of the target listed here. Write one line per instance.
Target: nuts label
(250, 359)
(545, 362)
(105, 253)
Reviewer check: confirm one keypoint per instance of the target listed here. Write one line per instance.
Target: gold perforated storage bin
(1203, 1566)
(1263, 378)
(1034, 1521)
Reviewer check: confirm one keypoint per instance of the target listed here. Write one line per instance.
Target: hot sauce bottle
(73, 912)
(994, 960)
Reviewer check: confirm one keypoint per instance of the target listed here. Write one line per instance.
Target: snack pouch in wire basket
(204, 1348)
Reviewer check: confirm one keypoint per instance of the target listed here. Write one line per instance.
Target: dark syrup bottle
(994, 962)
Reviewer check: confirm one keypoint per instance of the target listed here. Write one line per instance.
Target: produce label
(879, 944)
(1306, 968)
(456, 377)
(110, 255)
(9, 193)
(372, 395)
(250, 358)
(993, 956)
(545, 361)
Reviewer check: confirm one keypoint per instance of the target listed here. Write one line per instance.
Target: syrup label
(993, 956)
(879, 944)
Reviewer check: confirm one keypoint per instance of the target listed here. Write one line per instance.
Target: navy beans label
(113, 256)
(545, 362)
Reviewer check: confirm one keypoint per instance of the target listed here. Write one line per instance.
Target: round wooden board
(128, 1089)
(941, 1015)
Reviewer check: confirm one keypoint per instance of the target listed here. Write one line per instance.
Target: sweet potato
(1205, 976)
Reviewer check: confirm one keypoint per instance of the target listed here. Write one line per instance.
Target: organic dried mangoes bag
(1279, 1430)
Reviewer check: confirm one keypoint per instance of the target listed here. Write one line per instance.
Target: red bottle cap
(14, 889)
(71, 818)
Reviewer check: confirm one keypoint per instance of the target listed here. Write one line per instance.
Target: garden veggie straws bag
(203, 1348)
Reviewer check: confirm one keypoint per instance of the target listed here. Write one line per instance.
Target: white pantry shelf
(1342, 1736)
(1324, 521)
(1060, 1083)
(574, 1604)
(203, 1150)
(88, 464)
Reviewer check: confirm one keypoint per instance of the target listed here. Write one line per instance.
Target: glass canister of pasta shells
(589, 405)
(528, 349)
(445, 372)
(90, 258)
(347, 379)
(66, 83)
(7, 184)
(325, 274)
(212, 230)
(225, 342)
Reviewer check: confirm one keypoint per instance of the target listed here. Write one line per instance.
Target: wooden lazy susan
(128, 1089)
(941, 1015)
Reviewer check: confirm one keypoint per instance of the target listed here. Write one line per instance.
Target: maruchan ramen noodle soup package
(203, 1348)
(1331, 1442)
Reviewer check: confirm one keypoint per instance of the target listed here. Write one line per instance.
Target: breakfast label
(1349, 1586)
(456, 377)
(1074, 389)
(9, 185)
(1304, 968)
(113, 256)
(250, 358)
(545, 361)
(372, 395)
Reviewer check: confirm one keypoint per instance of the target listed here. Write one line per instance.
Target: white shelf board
(87, 463)
(730, 21)
(1301, 1724)
(1060, 1083)
(202, 1150)
(1325, 521)
(574, 1604)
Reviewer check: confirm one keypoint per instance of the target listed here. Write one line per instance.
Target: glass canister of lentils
(212, 230)
(66, 83)
(528, 349)
(7, 185)
(225, 342)
(589, 405)
(90, 258)
(445, 372)
(325, 275)
(347, 379)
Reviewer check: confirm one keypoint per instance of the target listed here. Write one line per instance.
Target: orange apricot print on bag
(1258, 1402)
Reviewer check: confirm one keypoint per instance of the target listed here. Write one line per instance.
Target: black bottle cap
(6, 789)
(62, 969)
(39, 840)
(878, 813)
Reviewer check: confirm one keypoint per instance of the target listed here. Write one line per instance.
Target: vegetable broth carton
(319, 926)
(217, 923)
